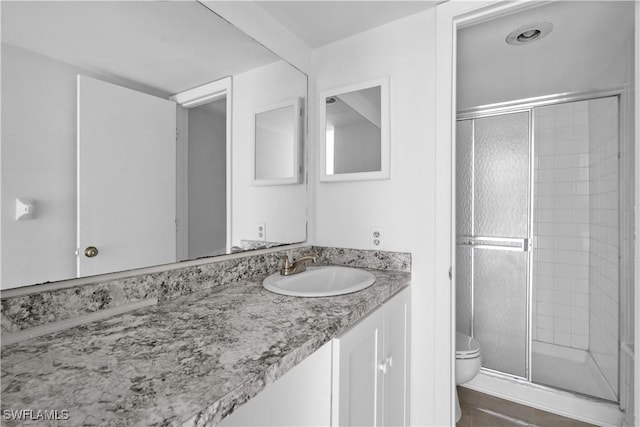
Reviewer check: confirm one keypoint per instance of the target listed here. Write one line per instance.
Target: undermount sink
(320, 282)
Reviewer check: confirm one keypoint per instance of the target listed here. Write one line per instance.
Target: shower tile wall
(561, 225)
(604, 236)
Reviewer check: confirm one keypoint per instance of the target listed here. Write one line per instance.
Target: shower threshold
(568, 369)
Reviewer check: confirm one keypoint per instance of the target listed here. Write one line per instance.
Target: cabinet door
(395, 361)
(357, 379)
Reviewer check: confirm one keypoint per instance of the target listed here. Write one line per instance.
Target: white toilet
(468, 363)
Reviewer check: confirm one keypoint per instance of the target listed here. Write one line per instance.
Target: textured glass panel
(500, 309)
(463, 290)
(464, 170)
(502, 175)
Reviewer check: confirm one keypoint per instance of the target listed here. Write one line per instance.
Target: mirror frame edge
(57, 285)
(385, 133)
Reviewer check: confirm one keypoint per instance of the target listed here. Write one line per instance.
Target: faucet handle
(310, 254)
(286, 263)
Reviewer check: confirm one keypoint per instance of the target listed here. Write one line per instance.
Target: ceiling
(148, 43)
(586, 39)
(317, 23)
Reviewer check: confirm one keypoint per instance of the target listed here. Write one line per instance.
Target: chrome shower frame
(528, 105)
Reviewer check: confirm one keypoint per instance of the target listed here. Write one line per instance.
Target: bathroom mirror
(277, 144)
(168, 53)
(354, 125)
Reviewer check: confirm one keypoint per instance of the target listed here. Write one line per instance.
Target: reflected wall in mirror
(55, 140)
(354, 121)
(277, 144)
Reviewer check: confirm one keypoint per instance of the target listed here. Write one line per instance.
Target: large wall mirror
(127, 139)
(354, 125)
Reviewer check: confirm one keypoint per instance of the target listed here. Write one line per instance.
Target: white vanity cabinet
(396, 338)
(302, 397)
(357, 379)
(370, 363)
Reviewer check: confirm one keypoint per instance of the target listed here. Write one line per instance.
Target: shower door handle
(500, 243)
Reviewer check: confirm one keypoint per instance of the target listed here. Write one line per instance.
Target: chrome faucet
(298, 266)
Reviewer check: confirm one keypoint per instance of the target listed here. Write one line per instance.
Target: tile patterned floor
(482, 410)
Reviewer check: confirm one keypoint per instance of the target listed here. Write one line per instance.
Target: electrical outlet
(376, 238)
(261, 231)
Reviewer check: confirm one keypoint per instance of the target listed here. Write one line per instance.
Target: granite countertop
(189, 361)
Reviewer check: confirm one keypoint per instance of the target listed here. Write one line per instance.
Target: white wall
(357, 148)
(281, 207)
(207, 180)
(38, 162)
(257, 23)
(405, 204)
(630, 290)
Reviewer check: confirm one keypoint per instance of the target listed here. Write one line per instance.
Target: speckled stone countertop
(189, 361)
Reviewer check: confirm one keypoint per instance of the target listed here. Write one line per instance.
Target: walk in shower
(538, 240)
(545, 205)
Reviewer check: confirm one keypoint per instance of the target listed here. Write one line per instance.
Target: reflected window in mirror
(277, 144)
(354, 122)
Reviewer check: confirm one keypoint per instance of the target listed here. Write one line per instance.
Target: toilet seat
(466, 347)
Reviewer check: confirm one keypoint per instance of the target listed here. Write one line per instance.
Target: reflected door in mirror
(126, 204)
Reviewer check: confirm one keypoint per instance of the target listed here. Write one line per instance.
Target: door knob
(90, 251)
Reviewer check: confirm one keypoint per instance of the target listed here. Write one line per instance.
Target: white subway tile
(562, 338)
(545, 335)
(545, 309)
(561, 311)
(580, 341)
(545, 322)
(562, 325)
(564, 108)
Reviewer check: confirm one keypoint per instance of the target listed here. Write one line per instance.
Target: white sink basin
(320, 282)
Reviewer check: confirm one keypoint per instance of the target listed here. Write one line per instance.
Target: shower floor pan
(569, 369)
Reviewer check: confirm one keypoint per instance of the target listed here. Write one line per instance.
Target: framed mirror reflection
(354, 124)
(277, 144)
(126, 154)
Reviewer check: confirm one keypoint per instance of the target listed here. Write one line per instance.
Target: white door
(126, 178)
(357, 379)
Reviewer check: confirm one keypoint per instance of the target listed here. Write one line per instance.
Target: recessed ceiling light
(528, 33)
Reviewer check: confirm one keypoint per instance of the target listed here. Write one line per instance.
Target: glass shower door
(493, 237)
